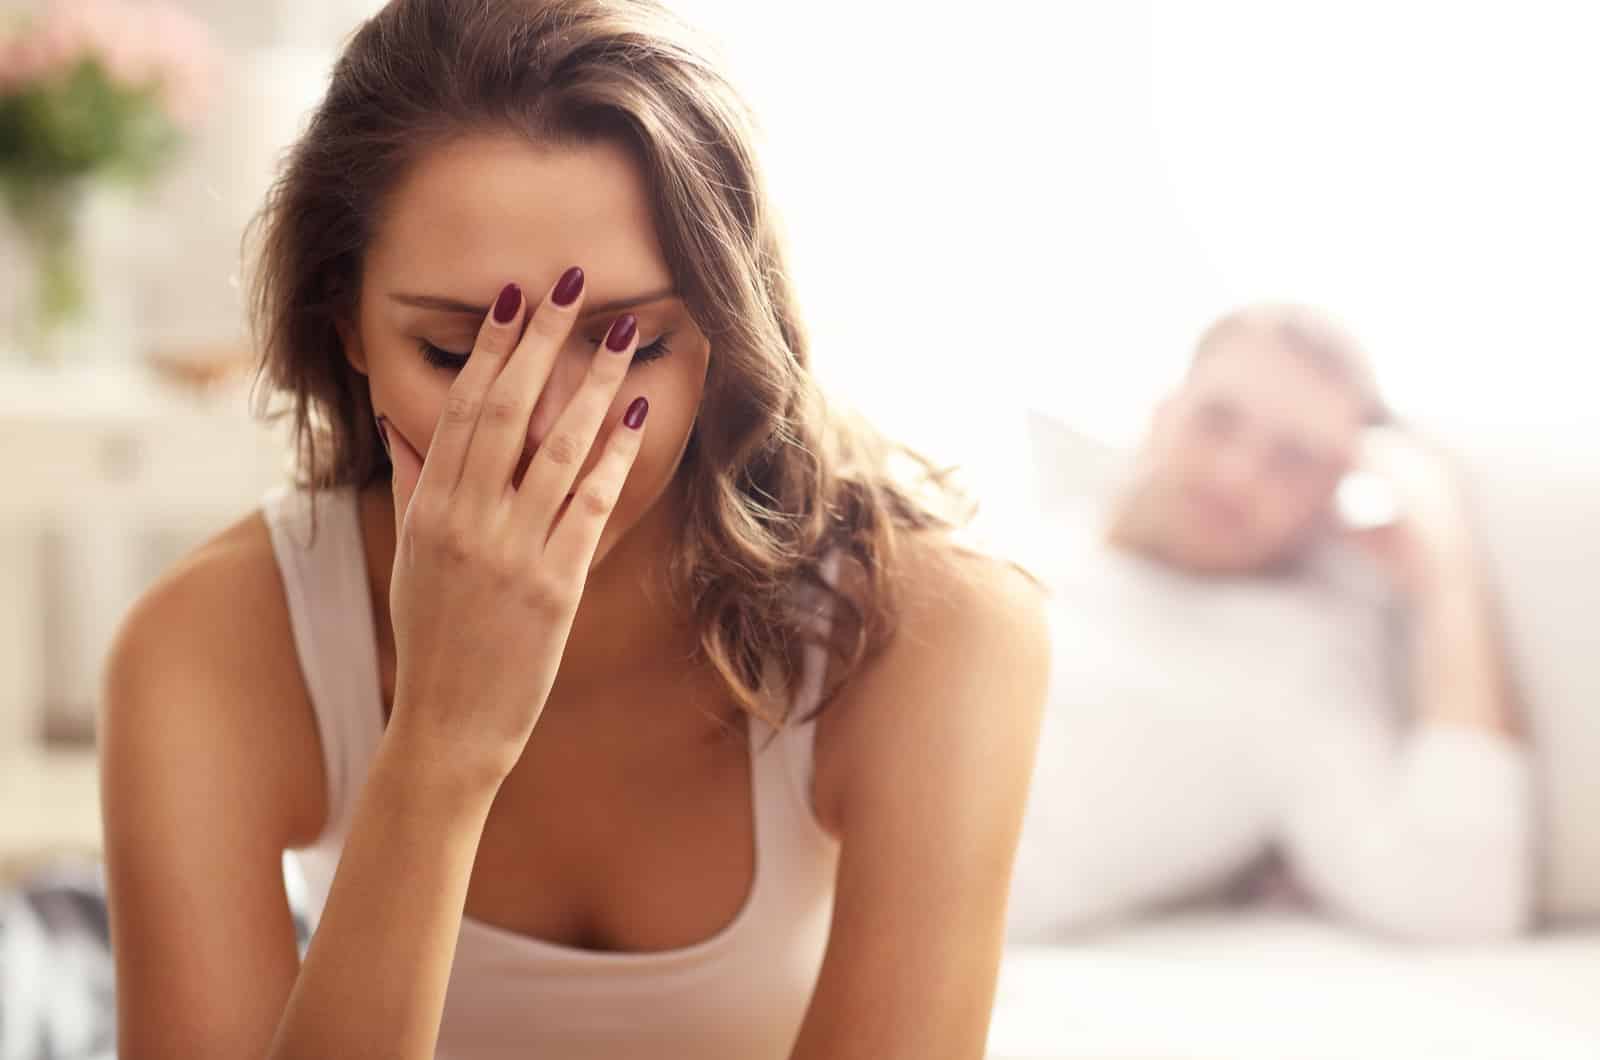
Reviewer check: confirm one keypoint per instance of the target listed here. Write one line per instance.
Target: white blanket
(1275, 986)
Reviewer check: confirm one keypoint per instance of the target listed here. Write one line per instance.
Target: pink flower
(187, 59)
(40, 50)
(138, 43)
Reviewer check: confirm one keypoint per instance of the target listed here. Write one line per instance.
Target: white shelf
(108, 456)
(117, 441)
(49, 802)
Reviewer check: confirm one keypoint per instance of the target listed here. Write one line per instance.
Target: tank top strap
(323, 565)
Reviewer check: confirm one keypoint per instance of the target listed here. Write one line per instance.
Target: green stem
(47, 217)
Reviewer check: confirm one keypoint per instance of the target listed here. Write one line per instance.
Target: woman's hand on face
(488, 573)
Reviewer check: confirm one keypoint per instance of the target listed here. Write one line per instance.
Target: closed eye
(447, 360)
(643, 353)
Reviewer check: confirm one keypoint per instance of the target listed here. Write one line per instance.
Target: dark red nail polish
(621, 332)
(634, 417)
(567, 287)
(506, 306)
(383, 433)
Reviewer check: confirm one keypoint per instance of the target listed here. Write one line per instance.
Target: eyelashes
(445, 360)
(441, 358)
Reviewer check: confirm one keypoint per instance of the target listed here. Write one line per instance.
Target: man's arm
(1431, 836)
(1459, 672)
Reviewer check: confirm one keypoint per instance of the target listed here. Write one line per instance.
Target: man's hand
(1430, 543)
(1459, 671)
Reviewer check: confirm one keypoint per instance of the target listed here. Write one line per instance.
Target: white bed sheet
(1281, 986)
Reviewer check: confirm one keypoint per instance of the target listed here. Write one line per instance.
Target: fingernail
(506, 306)
(567, 287)
(621, 332)
(634, 417)
(383, 433)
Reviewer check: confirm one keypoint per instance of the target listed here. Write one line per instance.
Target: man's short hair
(1312, 334)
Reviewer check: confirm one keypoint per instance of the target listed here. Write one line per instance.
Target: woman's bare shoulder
(945, 587)
(937, 568)
(206, 656)
(970, 649)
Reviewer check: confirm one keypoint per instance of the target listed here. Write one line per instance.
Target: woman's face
(482, 212)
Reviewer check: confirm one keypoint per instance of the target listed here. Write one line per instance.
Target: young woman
(616, 698)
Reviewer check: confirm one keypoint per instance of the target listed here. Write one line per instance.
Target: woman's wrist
(416, 767)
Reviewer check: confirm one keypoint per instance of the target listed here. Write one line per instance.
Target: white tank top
(738, 995)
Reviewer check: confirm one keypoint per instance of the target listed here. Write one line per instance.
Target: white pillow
(1058, 470)
(1065, 465)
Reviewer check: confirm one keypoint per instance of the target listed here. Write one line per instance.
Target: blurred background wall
(1112, 174)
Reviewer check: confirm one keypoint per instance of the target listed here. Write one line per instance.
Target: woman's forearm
(373, 980)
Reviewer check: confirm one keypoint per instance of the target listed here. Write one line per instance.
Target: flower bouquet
(89, 90)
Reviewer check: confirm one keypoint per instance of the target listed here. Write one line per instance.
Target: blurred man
(1255, 692)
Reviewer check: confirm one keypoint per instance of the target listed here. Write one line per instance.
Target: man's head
(1241, 462)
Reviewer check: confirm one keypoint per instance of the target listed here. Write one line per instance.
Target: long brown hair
(776, 478)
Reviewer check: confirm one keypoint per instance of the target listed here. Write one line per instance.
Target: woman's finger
(407, 468)
(502, 433)
(562, 453)
(571, 544)
(463, 404)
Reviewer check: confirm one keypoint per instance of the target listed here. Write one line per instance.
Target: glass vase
(46, 222)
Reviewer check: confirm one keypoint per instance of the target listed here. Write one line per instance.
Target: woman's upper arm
(930, 756)
(209, 768)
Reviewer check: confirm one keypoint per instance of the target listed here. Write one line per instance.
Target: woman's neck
(625, 614)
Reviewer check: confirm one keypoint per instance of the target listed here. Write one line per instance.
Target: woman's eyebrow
(455, 305)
